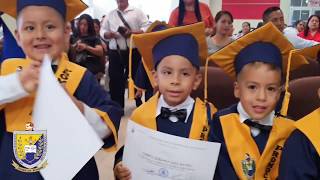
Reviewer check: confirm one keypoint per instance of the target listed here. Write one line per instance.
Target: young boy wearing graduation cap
(252, 132)
(301, 153)
(141, 81)
(42, 29)
(175, 56)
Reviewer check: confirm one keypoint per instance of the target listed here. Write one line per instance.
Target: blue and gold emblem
(30, 148)
(248, 167)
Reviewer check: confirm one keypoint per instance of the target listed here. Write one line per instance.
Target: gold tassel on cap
(286, 98)
(131, 88)
(205, 88)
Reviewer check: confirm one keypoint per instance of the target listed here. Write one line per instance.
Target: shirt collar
(244, 115)
(129, 8)
(187, 104)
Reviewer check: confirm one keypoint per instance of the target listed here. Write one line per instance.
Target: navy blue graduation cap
(143, 76)
(266, 44)
(187, 41)
(184, 45)
(258, 51)
(69, 9)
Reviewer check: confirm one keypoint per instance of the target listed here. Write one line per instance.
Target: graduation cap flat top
(158, 26)
(266, 44)
(188, 41)
(154, 27)
(69, 9)
(311, 53)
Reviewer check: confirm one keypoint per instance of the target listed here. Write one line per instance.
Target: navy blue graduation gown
(299, 160)
(91, 93)
(142, 81)
(224, 169)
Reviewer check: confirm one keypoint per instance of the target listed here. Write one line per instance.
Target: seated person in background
(312, 30)
(275, 15)
(223, 28)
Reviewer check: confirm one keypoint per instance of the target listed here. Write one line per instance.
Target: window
(302, 9)
(299, 3)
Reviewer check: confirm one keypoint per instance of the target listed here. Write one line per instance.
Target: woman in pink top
(312, 30)
(190, 12)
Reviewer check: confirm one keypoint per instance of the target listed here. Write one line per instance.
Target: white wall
(156, 9)
(161, 9)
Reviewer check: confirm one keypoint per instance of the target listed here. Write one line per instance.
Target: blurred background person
(275, 15)
(117, 28)
(245, 29)
(299, 25)
(190, 12)
(223, 27)
(312, 30)
(89, 50)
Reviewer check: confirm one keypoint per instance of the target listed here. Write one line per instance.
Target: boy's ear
(236, 89)
(155, 77)
(17, 36)
(319, 92)
(197, 81)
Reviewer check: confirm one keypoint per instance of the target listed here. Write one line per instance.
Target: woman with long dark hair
(312, 30)
(88, 46)
(223, 25)
(190, 12)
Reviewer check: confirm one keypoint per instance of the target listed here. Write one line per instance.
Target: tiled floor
(105, 159)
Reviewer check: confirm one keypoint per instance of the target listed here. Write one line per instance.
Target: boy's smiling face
(258, 88)
(176, 77)
(41, 30)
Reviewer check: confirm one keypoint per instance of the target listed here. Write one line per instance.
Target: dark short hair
(247, 23)
(269, 65)
(295, 24)
(268, 11)
(221, 13)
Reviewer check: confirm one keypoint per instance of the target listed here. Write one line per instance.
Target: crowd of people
(107, 40)
(165, 59)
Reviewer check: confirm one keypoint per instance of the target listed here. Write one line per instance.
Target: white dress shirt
(136, 19)
(244, 116)
(11, 90)
(298, 42)
(187, 104)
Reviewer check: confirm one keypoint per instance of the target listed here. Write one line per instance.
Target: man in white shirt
(117, 28)
(275, 15)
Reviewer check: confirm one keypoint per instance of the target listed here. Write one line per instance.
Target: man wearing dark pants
(118, 72)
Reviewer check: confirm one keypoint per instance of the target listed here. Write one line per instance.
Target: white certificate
(154, 155)
(72, 141)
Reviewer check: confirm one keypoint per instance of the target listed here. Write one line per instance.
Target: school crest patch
(248, 167)
(30, 148)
